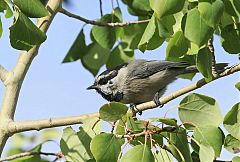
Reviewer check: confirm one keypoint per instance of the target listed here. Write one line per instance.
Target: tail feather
(220, 67)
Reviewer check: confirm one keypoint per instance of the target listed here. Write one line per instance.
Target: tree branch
(22, 126)
(92, 22)
(24, 154)
(18, 74)
(182, 91)
(3, 74)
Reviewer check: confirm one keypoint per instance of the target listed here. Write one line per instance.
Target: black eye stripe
(102, 81)
(107, 77)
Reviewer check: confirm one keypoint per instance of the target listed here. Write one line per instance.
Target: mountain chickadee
(139, 81)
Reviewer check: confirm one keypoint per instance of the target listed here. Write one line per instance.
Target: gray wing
(147, 68)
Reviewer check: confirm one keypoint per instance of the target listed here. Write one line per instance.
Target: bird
(139, 80)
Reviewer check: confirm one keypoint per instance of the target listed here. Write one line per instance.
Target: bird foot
(157, 101)
(134, 108)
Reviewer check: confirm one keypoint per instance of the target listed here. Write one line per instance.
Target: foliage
(146, 137)
(186, 26)
(25, 142)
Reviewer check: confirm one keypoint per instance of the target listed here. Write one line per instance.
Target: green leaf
(132, 35)
(236, 5)
(3, 6)
(167, 121)
(196, 107)
(96, 56)
(106, 36)
(48, 134)
(196, 30)
(226, 20)
(195, 156)
(179, 140)
(77, 50)
(195, 145)
(135, 125)
(9, 12)
(155, 41)
(211, 11)
(72, 147)
(18, 140)
(193, 49)
(166, 7)
(120, 129)
(118, 13)
(76, 145)
(178, 18)
(229, 8)
(105, 147)
(187, 76)
(190, 59)
(92, 126)
(32, 8)
(206, 153)
(147, 35)
(210, 136)
(165, 26)
(232, 144)
(141, 5)
(162, 156)
(34, 157)
(232, 121)
(27, 158)
(177, 45)
(119, 56)
(139, 153)
(204, 63)
(24, 34)
(236, 159)
(113, 111)
(138, 7)
(157, 138)
(230, 39)
(237, 85)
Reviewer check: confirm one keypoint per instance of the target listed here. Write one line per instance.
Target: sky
(52, 89)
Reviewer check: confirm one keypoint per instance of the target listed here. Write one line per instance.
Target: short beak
(92, 87)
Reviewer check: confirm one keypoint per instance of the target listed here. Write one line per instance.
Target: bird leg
(156, 99)
(133, 108)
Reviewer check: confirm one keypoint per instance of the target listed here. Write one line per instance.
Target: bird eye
(103, 81)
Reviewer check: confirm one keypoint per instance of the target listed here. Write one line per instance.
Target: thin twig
(112, 4)
(100, 6)
(118, 3)
(113, 126)
(24, 154)
(211, 49)
(131, 136)
(120, 154)
(98, 23)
